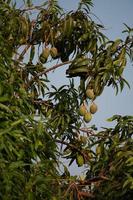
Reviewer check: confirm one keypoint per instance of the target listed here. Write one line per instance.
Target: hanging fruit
(90, 93)
(93, 108)
(53, 52)
(82, 110)
(45, 53)
(87, 117)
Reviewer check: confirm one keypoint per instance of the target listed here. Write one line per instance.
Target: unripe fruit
(98, 150)
(54, 198)
(42, 59)
(45, 53)
(82, 110)
(90, 93)
(83, 139)
(93, 108)
(79, 160)
(53, 52)
(87, 117)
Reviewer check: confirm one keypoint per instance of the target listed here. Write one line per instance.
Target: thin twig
(32, 8)
(52, 68)
(93, 180)
(90, 133)
(72, 186)
(67, 144)
(86, 194)
(41, 102)
(24, 52)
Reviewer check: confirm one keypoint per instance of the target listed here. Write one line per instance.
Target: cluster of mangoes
(84, 111)
(46, 52)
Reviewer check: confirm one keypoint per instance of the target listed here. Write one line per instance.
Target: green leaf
(4, 99)
(125, 81)
(16, 164)
(32, 53)
(20, 121)
(5, 108)
(113, 118)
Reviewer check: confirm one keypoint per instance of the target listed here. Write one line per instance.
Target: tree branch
(48, 70)
(68, 144)
(93, 180)
(90, 132)
(31, 8)
(52, 68)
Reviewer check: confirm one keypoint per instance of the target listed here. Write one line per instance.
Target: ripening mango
(87, 117)
(82, 110)
(53, 52)
(45, 53)
(90, 93)
(93, 108)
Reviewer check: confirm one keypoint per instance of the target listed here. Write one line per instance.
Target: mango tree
(41, 124)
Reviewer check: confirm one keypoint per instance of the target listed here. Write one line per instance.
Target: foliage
(40, 124)
(113, 160)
